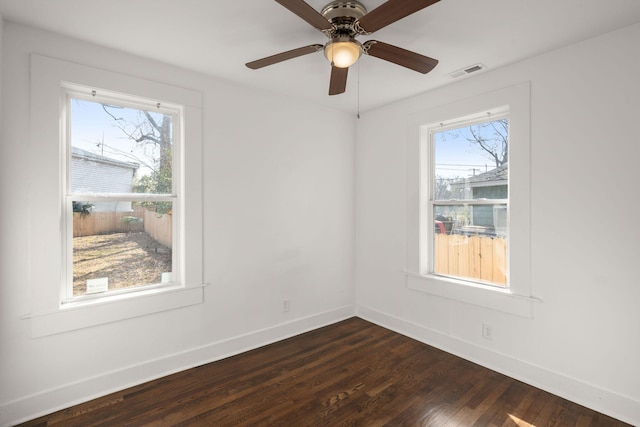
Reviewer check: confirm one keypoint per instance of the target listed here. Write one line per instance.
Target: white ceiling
(218, 37)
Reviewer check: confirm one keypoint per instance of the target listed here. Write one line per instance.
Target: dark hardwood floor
(352, 373)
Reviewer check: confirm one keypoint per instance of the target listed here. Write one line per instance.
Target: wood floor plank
(352, 373)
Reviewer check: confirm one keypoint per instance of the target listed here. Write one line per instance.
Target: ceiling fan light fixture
(343, 53)
(341, 21)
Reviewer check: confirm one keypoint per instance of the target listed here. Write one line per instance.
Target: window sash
(125, 197)
(455, 202)
(429, 202)
(72, 91)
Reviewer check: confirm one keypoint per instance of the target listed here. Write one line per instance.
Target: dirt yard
(127, 259)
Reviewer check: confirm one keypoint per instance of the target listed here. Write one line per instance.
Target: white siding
(91, 174)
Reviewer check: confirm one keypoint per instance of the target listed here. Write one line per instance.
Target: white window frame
(73, 91)
(51, 311)
(427, 196)
(517, 298)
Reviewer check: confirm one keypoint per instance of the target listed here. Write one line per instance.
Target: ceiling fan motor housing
(343, 49)
(343, 14)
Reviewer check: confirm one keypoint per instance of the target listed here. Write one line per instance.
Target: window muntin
(122, 194)
(466, 218)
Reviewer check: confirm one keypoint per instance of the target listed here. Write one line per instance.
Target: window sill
(485, 296)
(81, 315)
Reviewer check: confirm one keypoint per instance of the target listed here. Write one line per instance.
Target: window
(466, 173)
(122, 192)
(468, 224)
(117, 187)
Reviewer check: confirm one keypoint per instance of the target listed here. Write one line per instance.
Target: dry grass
(127, 259)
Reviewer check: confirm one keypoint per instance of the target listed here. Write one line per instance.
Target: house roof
(497, 176)
(494, 177)
(87, 155)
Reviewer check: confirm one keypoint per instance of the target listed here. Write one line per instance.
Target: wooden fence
(105, 223)
(476, 257)
(157, 226)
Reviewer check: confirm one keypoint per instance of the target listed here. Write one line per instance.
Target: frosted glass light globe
(342, 54)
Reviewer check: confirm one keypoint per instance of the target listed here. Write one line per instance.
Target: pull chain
(358, 113)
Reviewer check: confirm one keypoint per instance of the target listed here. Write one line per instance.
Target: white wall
(278, 223)
(1, 34)
(584, 339)
(268, 237)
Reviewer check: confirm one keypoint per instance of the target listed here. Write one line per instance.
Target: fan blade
(397, 55)
(307, 13)
(290, 54)
(390, 12)
(338, 82)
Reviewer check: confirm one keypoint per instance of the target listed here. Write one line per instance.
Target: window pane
(469, 251)
(117, 149)
(471, 162)
(118, 248)
(470, 237)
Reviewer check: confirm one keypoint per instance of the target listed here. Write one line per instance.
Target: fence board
(500, 260)
(454, 261)
(441, 260)
(159, 227)
(473, 257)
(486, 259)
(464, 256)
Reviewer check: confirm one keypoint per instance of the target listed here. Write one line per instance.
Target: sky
(458, 158)
(93, 130)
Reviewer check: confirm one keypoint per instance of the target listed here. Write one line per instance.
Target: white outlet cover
(487, 331)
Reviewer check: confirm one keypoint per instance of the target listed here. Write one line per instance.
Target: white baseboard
(48, 401)
(607, 402)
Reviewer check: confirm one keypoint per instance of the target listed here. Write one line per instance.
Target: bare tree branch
(104, 107)
(482, 142)
(494, 144)
(152, 121)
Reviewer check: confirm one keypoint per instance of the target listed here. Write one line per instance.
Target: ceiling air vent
(467, 70)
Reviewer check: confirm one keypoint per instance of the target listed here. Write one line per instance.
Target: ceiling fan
(342, 22)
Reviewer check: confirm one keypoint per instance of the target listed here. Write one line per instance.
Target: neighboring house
(93, 173)
(492, 184)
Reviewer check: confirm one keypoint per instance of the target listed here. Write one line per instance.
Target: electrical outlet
(487, 331)
(286, 305)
